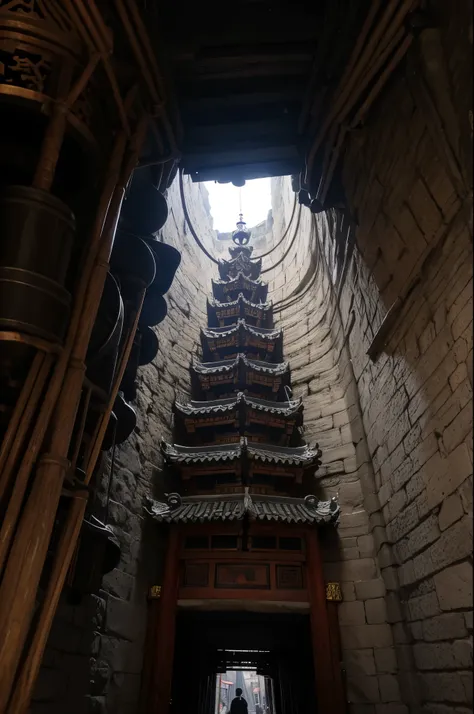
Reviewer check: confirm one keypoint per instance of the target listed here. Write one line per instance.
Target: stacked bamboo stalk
(380, 47)
(47, 410)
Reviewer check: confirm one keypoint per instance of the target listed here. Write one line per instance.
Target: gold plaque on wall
(333, 592)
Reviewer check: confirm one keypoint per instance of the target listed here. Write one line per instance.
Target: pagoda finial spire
(241, 235)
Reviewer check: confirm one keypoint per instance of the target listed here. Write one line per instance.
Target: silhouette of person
(239, 705)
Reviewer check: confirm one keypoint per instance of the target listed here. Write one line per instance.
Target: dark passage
(278, 645)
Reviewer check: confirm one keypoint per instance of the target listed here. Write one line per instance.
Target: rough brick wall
(356, 554)
(93, 661)
(408, 185)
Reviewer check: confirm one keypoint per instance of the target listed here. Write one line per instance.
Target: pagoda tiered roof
(220, 314)
(193, 408)
(304, 456)
(235, 507)
(254, 290)
(240, 373)
(216, 341)
(224, 420)
(241, 263)
(239, 451)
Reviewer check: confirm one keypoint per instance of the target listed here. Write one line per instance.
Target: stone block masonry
(408, 412)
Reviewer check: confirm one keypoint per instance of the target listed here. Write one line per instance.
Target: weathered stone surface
(389, 689)
(386, 660)
(391, 708)
(451, 511)
(362, 689)
(443, 687)
(444, 627)
(369, 589)
(352, 570)
(454, 587)
(427, 605)
(363, 636)
(119, 584)
(359, 662)
(351, 613)
(444, 655)
(376, 611)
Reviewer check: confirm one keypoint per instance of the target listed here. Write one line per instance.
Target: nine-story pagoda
(240, 454)
(242, 521)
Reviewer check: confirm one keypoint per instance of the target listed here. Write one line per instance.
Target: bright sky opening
(226, 199)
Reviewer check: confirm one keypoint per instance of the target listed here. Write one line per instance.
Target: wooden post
(162, 674)
(336, 653)
(328, 688)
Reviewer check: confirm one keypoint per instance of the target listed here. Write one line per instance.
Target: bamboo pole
(80, 430)
(25, 422)
(23, 571)
(144, 68)
(57, 379)
(54, 136)
(327, 176)
(378, 86)
(344, 90)
(351, 101)
(26, 559)
(66, 548)
(95, 41)
(16, 418)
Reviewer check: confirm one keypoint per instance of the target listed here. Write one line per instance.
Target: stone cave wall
(394, 280)
(93, 660)
(321, 372)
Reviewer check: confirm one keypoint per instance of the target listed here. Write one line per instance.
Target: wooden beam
(234, 157)
(281, 68)
(250, 134)
(248, 171)
(223, 91)
(284, 113)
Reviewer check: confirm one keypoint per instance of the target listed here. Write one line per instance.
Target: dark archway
(207, 642)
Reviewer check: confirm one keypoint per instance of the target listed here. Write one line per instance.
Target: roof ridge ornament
(248, 504)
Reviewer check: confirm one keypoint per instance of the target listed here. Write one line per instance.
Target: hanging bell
(144, 209)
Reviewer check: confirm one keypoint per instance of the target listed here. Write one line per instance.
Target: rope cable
(264, 255)
(296, 296)
(188, 220)
(272, 267)
(214, 260)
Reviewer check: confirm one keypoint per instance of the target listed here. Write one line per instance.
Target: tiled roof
(227, 365)
(206, 509)
(262, 332)
(222, 405)
(241, 263)
(241, 298)
(240, 277)
(294, 456)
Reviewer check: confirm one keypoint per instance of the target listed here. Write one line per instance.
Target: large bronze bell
(144, 209)
(167, 261)
(132, 263)
(37, 233)
(105, 339)
(154, 308)
(147, 345)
